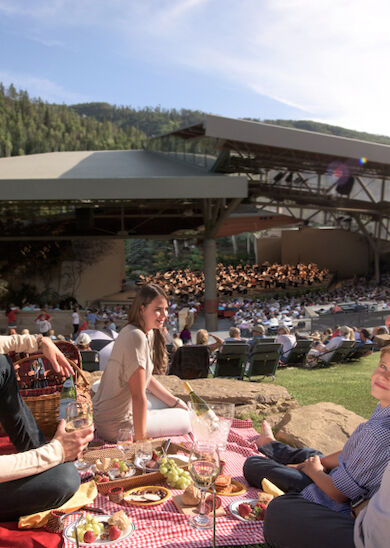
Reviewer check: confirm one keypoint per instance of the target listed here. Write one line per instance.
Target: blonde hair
(145, 296)
(234, 332)
(202, 336)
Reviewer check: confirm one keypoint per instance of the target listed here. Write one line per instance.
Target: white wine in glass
(125, 440)
(78, 416)
(204, 467)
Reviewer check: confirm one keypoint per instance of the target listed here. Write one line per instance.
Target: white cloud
(328, 58)
(41, 87)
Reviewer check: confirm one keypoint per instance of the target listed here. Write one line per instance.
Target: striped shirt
(361, 463)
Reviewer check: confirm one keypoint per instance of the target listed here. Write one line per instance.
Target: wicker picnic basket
(44, 402)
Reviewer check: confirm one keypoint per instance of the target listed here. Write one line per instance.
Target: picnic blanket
(163, 526)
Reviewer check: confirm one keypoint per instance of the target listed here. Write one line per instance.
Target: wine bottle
(200, 406)
(68, 395)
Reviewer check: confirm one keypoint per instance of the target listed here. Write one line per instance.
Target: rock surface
(249, 397)
(325, 426)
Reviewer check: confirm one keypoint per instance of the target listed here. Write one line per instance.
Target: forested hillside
(29, 126)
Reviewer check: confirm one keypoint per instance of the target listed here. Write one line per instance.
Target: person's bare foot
(266, 434)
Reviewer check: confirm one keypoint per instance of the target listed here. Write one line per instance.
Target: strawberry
(244, 509)
(114, 533)
(155, 456)
(89, 537)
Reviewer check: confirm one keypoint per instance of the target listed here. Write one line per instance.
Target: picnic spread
(153, 514)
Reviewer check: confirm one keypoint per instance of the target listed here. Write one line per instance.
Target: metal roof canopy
(109, 194)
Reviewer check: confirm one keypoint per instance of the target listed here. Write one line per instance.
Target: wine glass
(204, 467)
(78, 415)
(143, 453)
(125, 440)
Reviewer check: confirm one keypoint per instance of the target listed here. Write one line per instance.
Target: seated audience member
(287, 341)
(336, 479)
(185, 335)
(258, 332)
(319, 526)
(40, 476)
(335, 343)
(234, 335)
(176, 340)
(202, 337)
(365, 338)
(83, 341)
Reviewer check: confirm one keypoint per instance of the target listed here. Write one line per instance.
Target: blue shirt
(361, 463)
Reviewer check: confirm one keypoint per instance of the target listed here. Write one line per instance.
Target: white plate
(137, 464)
(69, 530)
(233, 507)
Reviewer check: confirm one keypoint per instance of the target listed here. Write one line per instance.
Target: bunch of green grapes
(176, 477)
(90, 523)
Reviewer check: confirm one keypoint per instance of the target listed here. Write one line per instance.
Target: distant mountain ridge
(31, 126)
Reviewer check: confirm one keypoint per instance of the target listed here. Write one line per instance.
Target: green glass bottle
(200, 406)
(68, 395)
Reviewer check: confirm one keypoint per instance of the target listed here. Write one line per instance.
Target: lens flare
(363, 160)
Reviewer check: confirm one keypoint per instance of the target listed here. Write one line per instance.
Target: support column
(210, 294)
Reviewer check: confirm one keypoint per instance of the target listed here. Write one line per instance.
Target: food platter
(68, 533)
(233, 508)
(144, 491)
(239, 489)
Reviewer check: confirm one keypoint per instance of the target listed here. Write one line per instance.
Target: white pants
(162, 421)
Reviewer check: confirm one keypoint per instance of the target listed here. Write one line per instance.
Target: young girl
(138, 351)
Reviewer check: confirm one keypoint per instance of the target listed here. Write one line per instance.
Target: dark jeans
(293, 522)
(274, 468)
(43, 491)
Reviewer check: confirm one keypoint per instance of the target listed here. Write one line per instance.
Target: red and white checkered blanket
(163, 526)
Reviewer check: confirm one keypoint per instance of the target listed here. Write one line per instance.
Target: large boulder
(249, 397)
(325, 426)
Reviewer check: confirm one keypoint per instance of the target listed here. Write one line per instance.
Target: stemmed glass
(125, 440)
(78, 415)
(204, 467)
(143, 453)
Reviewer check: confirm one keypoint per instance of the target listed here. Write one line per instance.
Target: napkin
(86, 494)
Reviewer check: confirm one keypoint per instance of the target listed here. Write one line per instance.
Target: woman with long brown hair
(139, 351)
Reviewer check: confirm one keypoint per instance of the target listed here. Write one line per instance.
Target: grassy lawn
(347, 384)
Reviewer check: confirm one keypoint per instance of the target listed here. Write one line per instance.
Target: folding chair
(363, 350)
(337, 355)
(191, 362)
(231, 360)
(297, 355)
(264, 360)
(90, 360)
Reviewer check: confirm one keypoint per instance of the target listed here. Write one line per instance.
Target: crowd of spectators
(240, 280)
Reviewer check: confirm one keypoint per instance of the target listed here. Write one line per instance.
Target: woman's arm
(218, 342)
(137, 385)
(158, 390)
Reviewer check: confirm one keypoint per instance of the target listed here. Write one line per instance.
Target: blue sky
(324, 60)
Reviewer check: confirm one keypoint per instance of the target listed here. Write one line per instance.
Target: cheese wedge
(270, 488)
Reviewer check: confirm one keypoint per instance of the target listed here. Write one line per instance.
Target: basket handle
(77, 369)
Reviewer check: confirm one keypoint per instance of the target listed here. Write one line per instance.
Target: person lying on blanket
(336, 479)
(41, 476)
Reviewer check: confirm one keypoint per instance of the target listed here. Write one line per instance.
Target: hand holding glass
(78, 416)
